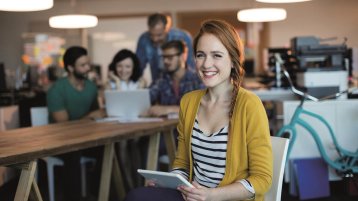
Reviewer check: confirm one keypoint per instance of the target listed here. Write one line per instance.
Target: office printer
(322, 68)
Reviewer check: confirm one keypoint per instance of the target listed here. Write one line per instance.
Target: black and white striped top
(209, 157)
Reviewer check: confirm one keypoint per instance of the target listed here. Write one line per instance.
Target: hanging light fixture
(73, 21)
(261, 15)
(281, 1)
(25, 5)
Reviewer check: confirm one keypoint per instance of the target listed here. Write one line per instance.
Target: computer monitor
(3, 86)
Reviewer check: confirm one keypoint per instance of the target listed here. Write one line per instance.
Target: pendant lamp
(73, 21)
(261, 15)
(281, 1)
(25, 5)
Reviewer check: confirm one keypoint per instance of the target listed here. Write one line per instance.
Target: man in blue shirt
(174, 82)
(149, 43)
(166, 92)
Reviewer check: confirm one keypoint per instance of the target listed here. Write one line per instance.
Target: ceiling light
(73, 21)
(25, 5)
(261, 15)
(281, 1)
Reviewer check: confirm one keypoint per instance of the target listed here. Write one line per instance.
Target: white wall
(323, 18)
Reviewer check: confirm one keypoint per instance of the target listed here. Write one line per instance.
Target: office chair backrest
(39, 116)
(279, 151)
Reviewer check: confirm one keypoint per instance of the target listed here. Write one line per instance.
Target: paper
(129, 119)
(140, 119)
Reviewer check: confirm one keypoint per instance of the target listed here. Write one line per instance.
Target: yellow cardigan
(249, 153)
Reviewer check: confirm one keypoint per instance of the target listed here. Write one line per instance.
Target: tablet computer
(165, 179)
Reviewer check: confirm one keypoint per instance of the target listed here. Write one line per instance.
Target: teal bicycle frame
(345, 163)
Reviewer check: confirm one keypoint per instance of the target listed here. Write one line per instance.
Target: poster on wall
(43, 50)
(40, 52)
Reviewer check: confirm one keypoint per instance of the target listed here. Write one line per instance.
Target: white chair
(279, 151)
(39, 117)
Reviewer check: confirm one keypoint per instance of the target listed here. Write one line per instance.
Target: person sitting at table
(224, 146)
(124, 72)
(71, 98)
(166, 92)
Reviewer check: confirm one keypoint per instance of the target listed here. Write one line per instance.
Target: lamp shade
(261, 15)
(281, 1)
(73, 21)
(25, 5)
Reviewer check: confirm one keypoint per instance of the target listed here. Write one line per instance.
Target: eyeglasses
(170, 56)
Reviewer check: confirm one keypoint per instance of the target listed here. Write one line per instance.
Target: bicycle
(347, 162)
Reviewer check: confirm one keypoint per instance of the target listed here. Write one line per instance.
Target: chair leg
(51, 185)
(83, 180)
(51, 162)
(83, 162)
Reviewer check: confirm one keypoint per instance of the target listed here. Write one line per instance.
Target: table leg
(153, 150)
(118, 179)
(170, 145)
(106, 172)
(27, 183)
(107, 166)
(35, 192)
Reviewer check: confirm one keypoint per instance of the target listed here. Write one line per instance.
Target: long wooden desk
(22, 147)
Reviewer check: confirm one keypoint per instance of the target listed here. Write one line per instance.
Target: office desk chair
(279, 151)
(39, 117)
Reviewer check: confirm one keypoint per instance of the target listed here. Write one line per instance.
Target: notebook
(127, 104)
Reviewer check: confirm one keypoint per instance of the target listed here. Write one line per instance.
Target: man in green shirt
(71, 98)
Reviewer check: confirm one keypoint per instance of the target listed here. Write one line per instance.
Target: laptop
(127, 104)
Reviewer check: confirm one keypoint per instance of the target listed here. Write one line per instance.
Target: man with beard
(71, 98)
(166, 92)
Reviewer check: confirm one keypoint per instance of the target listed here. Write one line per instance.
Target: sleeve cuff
(248, 187)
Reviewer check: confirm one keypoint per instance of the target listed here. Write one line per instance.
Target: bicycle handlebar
(304, 94)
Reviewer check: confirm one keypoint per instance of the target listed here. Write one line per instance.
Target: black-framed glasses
(170, 56)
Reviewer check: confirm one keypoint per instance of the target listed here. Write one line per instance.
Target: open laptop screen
(127, 103)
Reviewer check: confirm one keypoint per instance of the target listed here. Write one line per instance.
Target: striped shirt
(209, 157)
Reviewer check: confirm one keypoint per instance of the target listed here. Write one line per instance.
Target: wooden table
(22, 147)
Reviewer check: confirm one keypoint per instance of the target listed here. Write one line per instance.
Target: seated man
(72, 98)
(166, 92)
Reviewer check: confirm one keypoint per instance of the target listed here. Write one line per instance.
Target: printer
(322, 68)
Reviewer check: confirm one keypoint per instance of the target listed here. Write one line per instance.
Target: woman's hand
(198, 193)
(150, 183)
(113, 76)
(142, 83)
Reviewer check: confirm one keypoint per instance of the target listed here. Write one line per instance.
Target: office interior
(332, 24)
